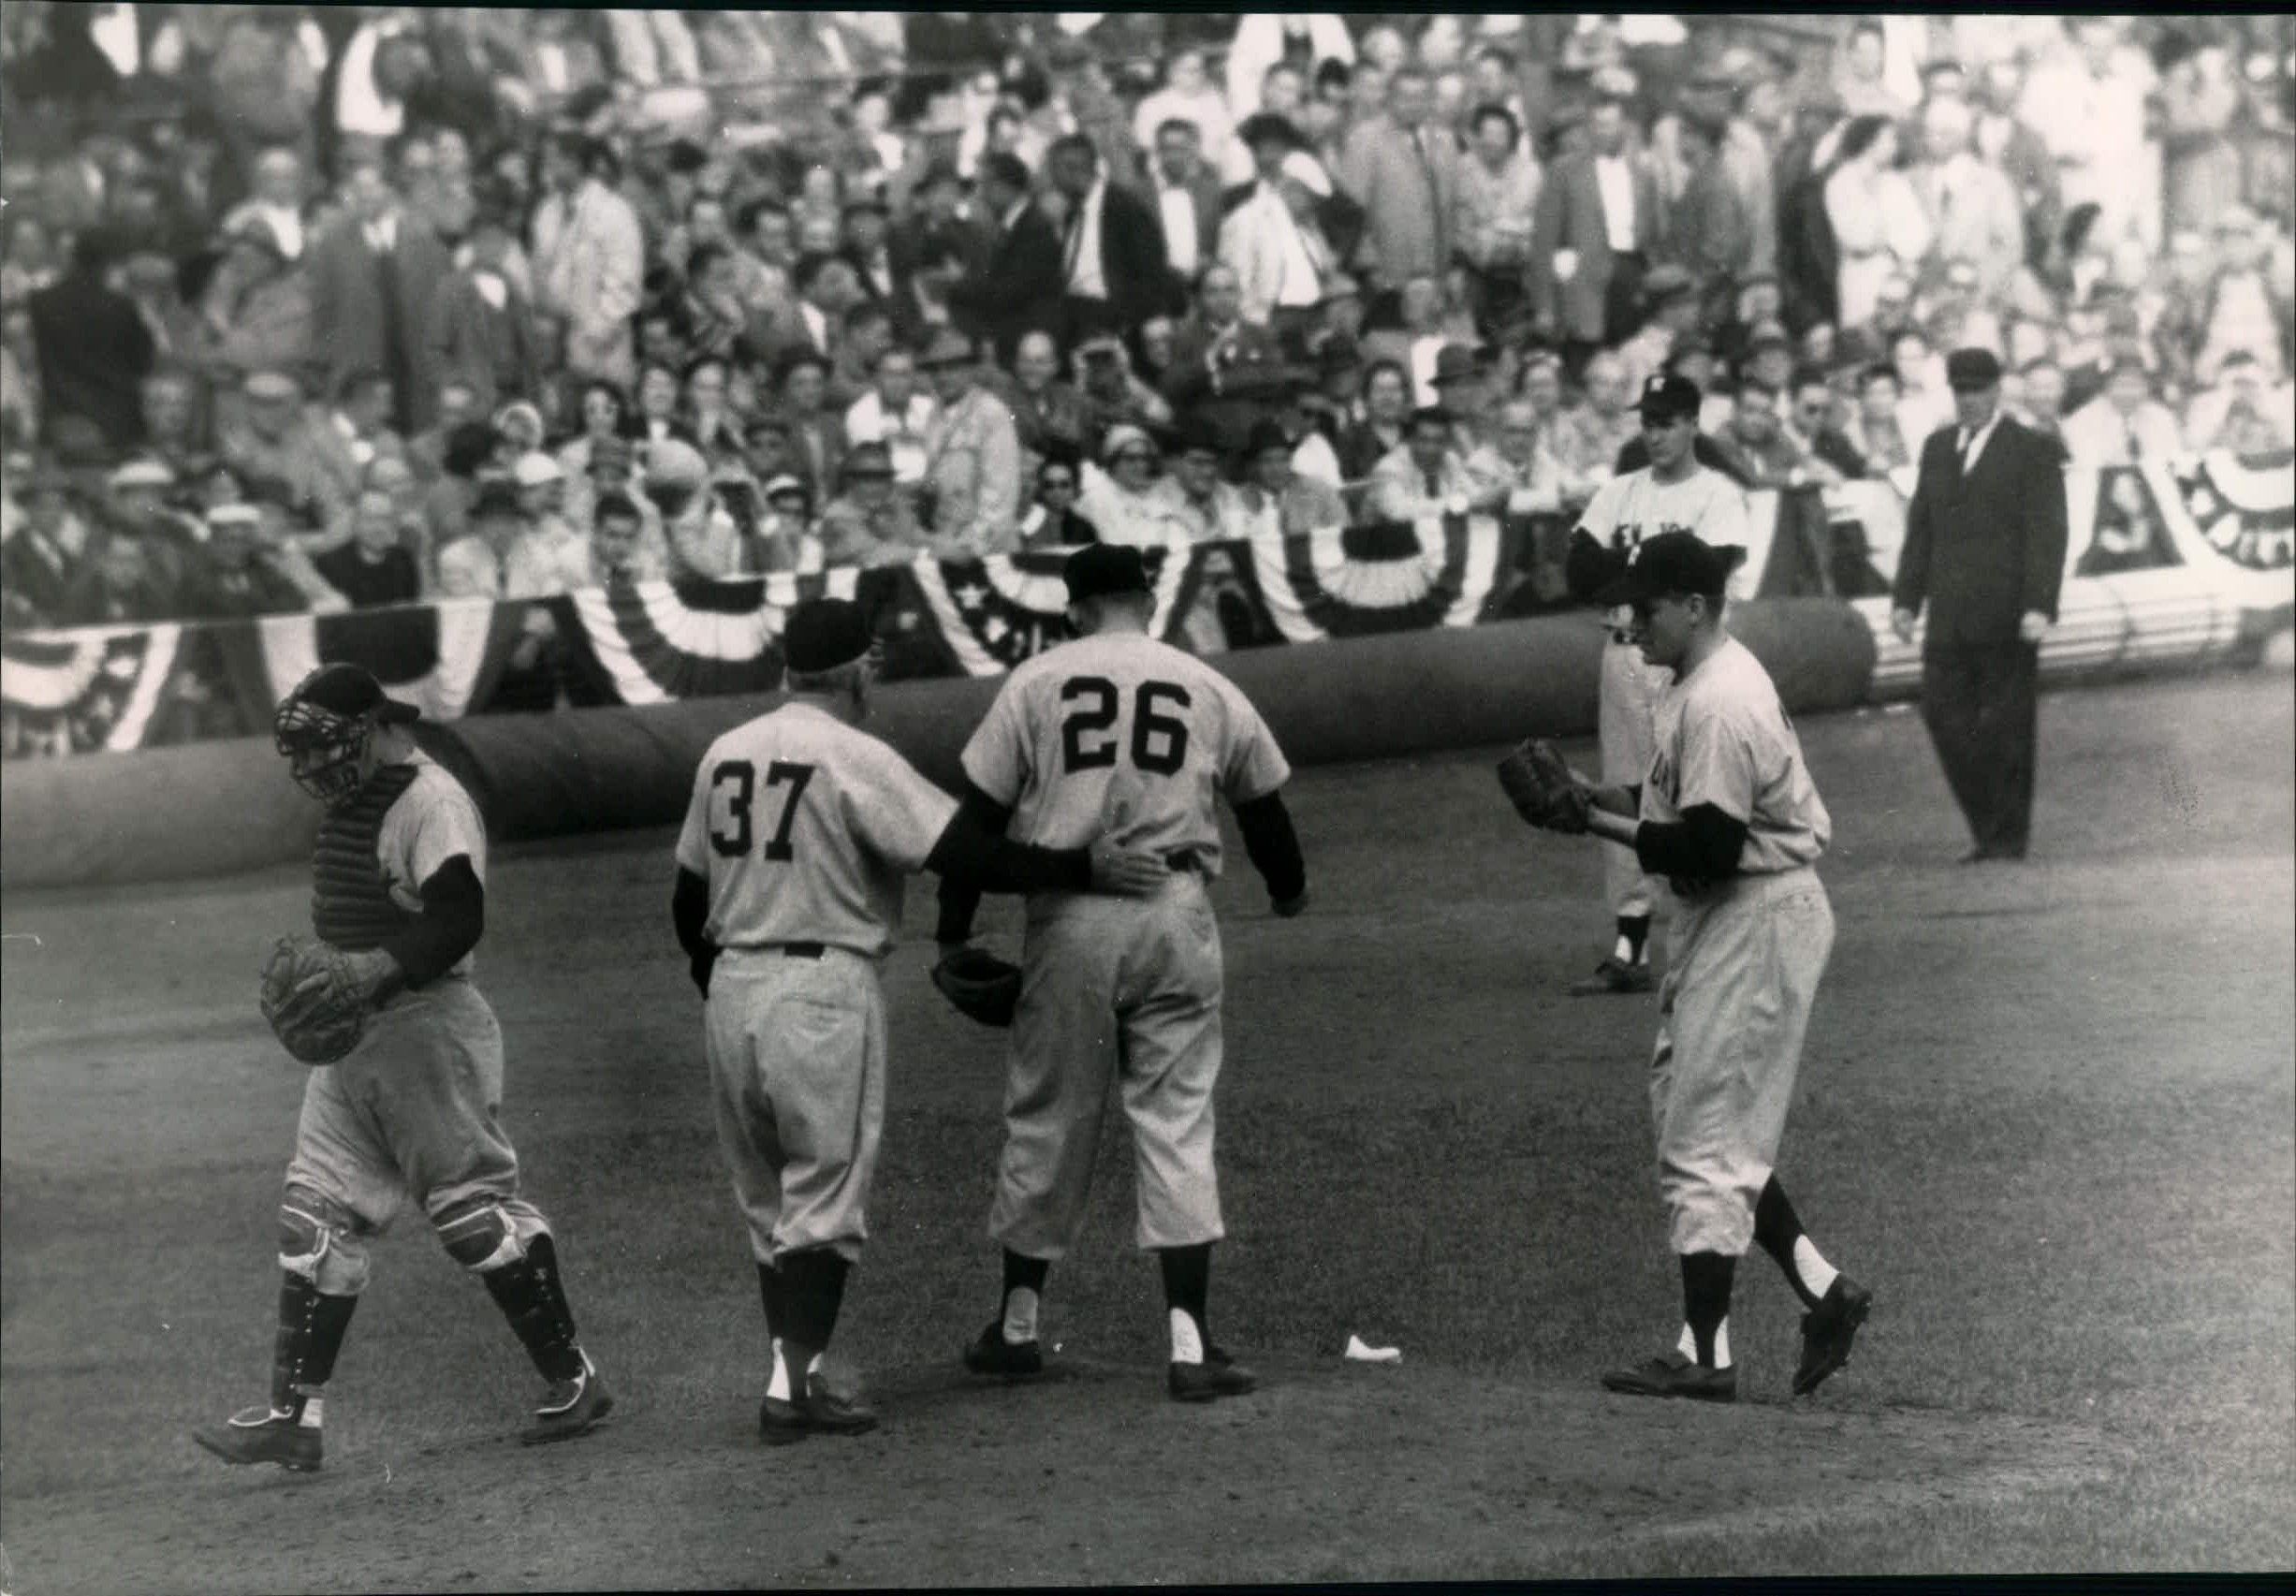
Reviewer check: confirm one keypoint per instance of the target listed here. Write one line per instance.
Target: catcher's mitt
(1542, 787)
(982, 986)
(314, 998)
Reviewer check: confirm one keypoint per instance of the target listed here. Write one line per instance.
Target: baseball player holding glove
(1119, 733)
(1726, 812)
(788, 893)
(405, 1097)
(1672, 493)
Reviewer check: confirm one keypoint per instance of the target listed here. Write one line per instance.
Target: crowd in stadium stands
(313, 307)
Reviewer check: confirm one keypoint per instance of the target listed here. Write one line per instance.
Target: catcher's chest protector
(350, 900)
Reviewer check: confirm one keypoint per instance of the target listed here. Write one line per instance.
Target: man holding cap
(1119, 734)
(788, 896)
(414, 1109)
(1726, 811)
(1674, 492)
(1984, 550)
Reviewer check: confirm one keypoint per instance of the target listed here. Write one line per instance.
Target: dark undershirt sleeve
(972, 853)
(1273, 846)
(1704, 846)
(961, 898)
(453, 917)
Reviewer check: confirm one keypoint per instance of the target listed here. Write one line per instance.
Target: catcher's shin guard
(528, 1292)
(312, 1325)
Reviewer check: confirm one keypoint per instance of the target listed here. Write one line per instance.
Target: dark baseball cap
(1673, 562)
(1670, 398)
(1099, 568)
(351, 691)
(822, 634)
(1968, 369)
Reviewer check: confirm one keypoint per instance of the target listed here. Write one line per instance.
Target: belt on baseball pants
(798, 949)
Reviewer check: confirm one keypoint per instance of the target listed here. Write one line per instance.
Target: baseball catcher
(403, 1098)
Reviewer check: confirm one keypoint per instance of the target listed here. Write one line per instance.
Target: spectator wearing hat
(1225, 365)
(870, 521)
(248, 570)
(41, 558)
(1051, 520)
(1195, 460)
(1984, 554)
(558, 555)
(1276, 495)
(254, 310)
(1115, 273)
(274, 440)
(1497, 196)
(1428, 475)
(588, 255)
(1599, 224)
(94, 348)
(1020, 278)
(1971, 208)
(1124, 498)
(375, 279)
(2125, 425)
(1462, 386)
(374, 567)
(973, 455)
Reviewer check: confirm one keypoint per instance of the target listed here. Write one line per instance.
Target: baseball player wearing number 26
(412, 1109)
(789, 890)
(1118, 731)
(1728, 814)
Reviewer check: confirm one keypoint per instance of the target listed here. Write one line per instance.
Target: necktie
(1435, 486)
(1967, 438)
(2136, 450)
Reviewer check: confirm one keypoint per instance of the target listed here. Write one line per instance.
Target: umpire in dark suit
(1984, 550)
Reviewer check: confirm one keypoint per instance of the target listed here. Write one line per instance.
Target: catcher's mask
(324, 727)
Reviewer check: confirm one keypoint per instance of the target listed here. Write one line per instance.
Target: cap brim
(396, 710)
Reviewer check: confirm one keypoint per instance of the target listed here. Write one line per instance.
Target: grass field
(2048, 1111)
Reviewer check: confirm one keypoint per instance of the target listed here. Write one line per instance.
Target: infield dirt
(2048, 1111)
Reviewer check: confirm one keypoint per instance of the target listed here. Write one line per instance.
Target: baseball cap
(822, 634)
(1673, 562)
(1667, 398)
(1970, 369)
(1099, 568)
(350, 691)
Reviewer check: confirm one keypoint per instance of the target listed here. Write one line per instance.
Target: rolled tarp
(216, 809)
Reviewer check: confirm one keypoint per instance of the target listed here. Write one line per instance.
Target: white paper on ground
(1359, 1353)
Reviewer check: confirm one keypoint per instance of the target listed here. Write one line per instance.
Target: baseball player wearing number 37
(1728, 815)
(1116, 731)
(405, 1100)
(788, 894)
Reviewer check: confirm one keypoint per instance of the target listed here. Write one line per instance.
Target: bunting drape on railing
(2191, 549)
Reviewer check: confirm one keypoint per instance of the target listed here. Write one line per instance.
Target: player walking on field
(788, 894)
(1119, 732)
(412, 1110)
(1727, 814)
(1672, 493)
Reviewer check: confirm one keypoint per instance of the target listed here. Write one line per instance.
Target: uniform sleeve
(1601, 515)
(449, 827)
(896, 811)
(1719, 766)
(693, 838)
(1729, 517)
(1255, 767)
(996, 760)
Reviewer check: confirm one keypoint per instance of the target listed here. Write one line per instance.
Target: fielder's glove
(982, 986)
(1542, 788)
(317, 996)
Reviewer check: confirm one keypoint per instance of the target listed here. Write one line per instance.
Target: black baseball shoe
(1674, 1375)
(1827, 1331)
(1614, 976)
(1218, 1375)
(264, 1435)
(991, 1354)
(819, 1412)
(570, 1406)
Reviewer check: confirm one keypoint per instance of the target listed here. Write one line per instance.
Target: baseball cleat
(991, 1354)
(1218, 1375)
(1674, 1375)
(1614, 976)
(571, 1407)
(818, 1413)
(264, 1435)
(1827, 1331)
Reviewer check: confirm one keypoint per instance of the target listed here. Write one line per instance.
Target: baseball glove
(982, 986)
(1542, 787)
(314, 998)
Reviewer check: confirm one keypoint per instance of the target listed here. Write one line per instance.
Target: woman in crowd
(1386, 406)
(1877, 219)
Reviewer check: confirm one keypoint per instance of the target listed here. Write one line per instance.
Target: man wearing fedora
(1984, 551)
(973, 455)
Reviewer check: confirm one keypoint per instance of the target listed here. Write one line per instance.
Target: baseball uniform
(1624, 511)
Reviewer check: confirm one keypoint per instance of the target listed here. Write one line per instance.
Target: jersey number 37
(741, 776)
(1159, 742)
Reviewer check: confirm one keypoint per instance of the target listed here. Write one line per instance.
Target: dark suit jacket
(1132, 255)
(1983, 550)
(1018, 285)
(495, 351)
(94, 352)
(349, 327)
(1570, 216)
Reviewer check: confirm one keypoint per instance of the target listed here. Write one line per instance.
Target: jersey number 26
(1158, 742)
(743, 776)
